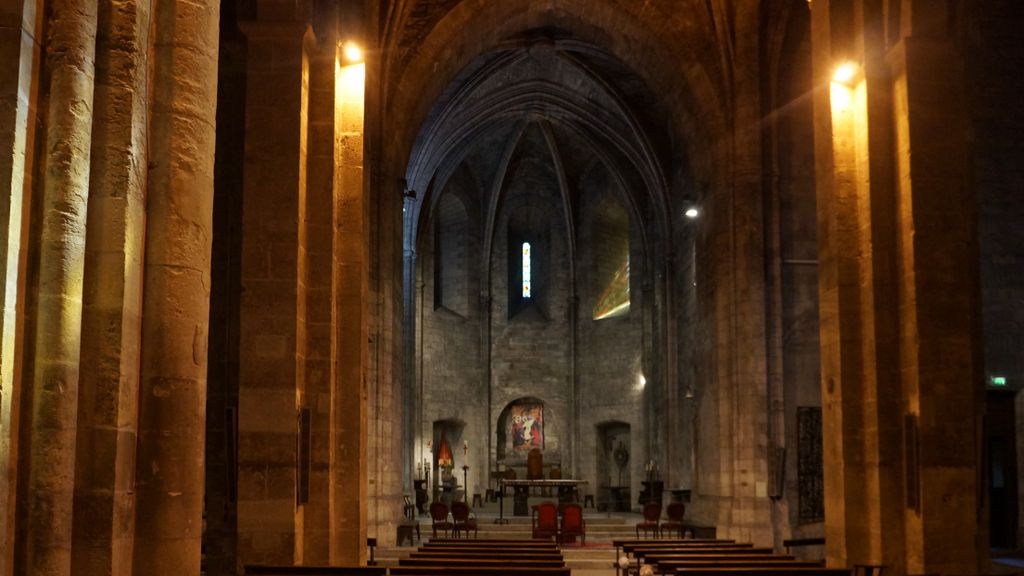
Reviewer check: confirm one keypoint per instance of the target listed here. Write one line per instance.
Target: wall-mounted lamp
(845, 73)
(352, 52)
(692, 213)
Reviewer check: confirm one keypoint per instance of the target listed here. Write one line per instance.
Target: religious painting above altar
(527, 426)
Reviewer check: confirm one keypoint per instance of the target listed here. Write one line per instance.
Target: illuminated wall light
(352, 52)
(845, 73)
(692, 213)
(998, 381)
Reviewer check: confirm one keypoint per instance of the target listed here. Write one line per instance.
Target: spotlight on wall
(845, 73)
(692, 212)
(353, 53)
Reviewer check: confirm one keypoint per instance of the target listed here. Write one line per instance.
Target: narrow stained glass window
(526, 270)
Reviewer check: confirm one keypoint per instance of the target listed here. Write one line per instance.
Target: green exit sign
(998, 380)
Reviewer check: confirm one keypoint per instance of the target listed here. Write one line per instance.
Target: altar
(568, 491)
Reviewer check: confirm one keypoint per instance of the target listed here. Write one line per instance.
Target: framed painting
(527, 426)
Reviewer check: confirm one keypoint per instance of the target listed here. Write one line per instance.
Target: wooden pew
(508, 570)
(486, 549)
(520, 542)
(663, 556)
(488, 554)
(642, 551)
(455, 562)
(752, 559)
(764, 571)
(671, 564)
(316, 570)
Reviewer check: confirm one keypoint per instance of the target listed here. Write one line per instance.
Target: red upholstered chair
(464, 521)
(439, 518)
(545, 520)
(675, 512)
(573, 524)
(652, 513)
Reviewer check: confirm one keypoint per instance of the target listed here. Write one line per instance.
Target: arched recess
(445, 479)
(612, 459)
(520, 427)
(452, 258)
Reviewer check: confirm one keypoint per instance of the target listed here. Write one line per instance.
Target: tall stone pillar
(19, 63)
(318, 243)
(69, 67)
(176, 298)
(939, 302)
(104, 511)
(740, 376)
(350, 354)
(845, 294)
(273, 321)
(900, 335)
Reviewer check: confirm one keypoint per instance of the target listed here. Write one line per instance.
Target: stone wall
(613, 382)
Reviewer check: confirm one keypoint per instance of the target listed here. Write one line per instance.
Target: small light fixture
(845, 73)
(353, 53)
(692, 212)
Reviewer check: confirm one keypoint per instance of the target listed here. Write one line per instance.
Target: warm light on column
(351, 84)
(846, 79)
(845, 73)
(352, 52)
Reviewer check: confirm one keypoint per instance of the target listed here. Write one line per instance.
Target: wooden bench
(316, 570)
(749, 551)
(669, 541)
(519, 542)
(455, 562)
(765, 571)
(476, 571)
(671, 564)
(488, 554)
(488, 548)
(748, 558)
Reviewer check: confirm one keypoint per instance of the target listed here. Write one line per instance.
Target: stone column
(939, 303)
(846, 321)
(176, 298)
(273, 321)
(69, 68)
(350, 354)
(104, 511)
(318, 232)
(901, 373)
(19, 63)
(740, 283)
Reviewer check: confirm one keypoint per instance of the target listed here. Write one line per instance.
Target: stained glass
(526, 269)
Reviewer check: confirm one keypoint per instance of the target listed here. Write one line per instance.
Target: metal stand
(501, 504)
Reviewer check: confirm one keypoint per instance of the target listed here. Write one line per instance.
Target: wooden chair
(675, 512)
(464, 521)
(652, 514)
(545, 520)
(439, 518)
(573, 524)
